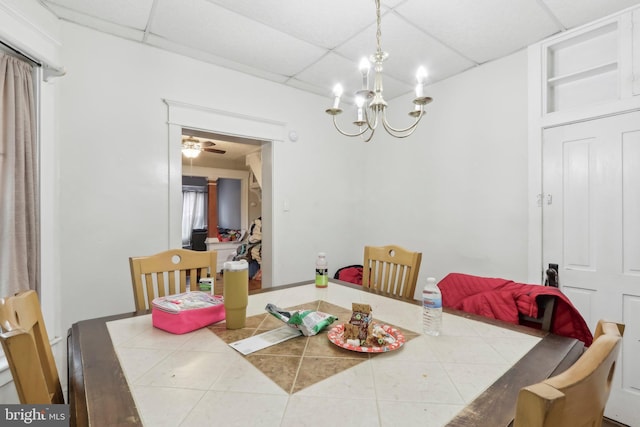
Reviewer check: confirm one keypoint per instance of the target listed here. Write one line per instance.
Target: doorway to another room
(222, 198)
(234, 127)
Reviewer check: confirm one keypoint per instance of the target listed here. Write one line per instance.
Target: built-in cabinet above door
(590, 71)
(583, 69)
(635, 29)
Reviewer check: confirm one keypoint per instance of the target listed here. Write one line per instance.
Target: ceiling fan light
(190, 152)
(191, 147)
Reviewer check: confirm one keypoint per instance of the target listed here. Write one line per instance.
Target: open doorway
(222, 197)
(266, 130)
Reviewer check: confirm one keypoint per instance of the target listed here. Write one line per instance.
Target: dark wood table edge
(494, 407)
(115, 408)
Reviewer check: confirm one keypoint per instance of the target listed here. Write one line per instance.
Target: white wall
(114, 165)
(113, 170)
(456, 190)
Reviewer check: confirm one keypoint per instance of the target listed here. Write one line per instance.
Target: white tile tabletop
(196, 379)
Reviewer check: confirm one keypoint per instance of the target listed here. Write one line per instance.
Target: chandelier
(191, 147)
(370, 104)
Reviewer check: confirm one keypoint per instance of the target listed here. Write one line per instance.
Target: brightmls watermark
(34, 415)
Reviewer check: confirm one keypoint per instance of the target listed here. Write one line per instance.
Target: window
(194, 207)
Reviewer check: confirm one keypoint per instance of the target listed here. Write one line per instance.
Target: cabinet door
(636, 51)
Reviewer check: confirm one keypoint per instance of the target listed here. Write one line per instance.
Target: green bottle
(322, 272)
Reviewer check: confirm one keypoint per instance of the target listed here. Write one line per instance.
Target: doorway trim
(181, 114)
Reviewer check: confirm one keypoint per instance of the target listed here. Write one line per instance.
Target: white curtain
(193, 214)
(19, 210)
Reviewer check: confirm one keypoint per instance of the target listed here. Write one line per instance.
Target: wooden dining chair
(26, 346)
(578, 395)
(165, 273)
(546, 311)
(391, 269)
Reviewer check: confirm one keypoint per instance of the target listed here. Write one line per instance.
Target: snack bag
(309, 322)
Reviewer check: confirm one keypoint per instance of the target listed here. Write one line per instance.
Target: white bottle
(431, 308)
(322, 271)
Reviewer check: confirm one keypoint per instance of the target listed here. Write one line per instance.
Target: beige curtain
(19, 211)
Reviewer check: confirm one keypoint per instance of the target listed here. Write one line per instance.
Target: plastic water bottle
(322, 271)
(431, 308)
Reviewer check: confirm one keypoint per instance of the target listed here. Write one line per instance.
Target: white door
(591, 229)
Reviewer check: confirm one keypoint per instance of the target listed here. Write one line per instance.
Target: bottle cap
(322, 254)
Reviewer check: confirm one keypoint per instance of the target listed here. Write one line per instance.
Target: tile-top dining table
(125, 372)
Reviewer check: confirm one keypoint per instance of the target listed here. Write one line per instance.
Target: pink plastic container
(186, 312)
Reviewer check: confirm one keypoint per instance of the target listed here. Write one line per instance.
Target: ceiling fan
(191, 147)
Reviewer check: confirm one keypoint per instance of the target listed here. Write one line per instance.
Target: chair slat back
(391, 269)
(579, 395)
(26, 346)
(165, 273)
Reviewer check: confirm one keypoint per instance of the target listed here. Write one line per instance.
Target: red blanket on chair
(503, 299)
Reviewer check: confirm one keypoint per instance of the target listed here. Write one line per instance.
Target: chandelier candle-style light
(371, 106)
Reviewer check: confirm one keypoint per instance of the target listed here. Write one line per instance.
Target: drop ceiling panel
(134, 14)
(198, 54)
(202, 25)
(99, 24)
(311, 44)
(408, 48)
(334, 69)
(329, 71)
(481, 30)
(323, 23)
(308, 87)
(572, 13)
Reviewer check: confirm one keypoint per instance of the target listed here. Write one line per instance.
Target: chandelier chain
(378, 31)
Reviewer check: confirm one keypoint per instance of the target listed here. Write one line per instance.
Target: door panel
(577, 245)
(631, 201)
(591, 228)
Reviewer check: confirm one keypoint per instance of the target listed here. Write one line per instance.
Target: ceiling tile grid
(133, 14)
(200, 55)
(216, 30)
(575, 13)
(408, 48)
(481, 30)
(323, 23)
(313, 44)
(334, 69)
(99, 24)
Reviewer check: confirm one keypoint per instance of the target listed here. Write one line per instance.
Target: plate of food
(380, 338)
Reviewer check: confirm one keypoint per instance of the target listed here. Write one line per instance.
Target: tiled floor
(301, 361)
